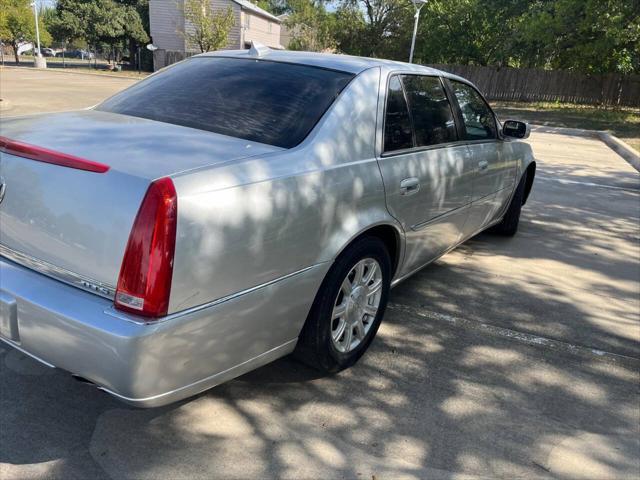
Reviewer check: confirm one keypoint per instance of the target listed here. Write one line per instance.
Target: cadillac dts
(237, 207)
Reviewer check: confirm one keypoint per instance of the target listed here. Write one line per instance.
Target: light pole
(39, 61)
(35, 12)
(418, 4)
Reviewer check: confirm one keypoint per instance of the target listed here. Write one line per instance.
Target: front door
(495, 170)
(427, 172)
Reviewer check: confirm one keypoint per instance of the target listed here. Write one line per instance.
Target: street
(507, 358)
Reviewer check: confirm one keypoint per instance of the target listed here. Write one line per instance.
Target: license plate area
(9, 317)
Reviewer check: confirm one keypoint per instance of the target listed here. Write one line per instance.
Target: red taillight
(147, 267)
(26, 150)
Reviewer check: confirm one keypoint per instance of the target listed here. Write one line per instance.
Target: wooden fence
(531, 85)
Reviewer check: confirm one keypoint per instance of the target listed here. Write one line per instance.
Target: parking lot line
(521, 337)
(585, 184)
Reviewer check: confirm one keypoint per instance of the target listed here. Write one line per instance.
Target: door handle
(483, 165)
(409, 186)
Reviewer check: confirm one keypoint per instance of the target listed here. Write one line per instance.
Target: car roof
(345, 63)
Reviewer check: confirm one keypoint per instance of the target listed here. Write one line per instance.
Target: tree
(207, 29)
(17, 24)
(276, 7)
(479, 32)
(68, 24)
(310, 25)
(374, 28)
(110, 24)
(595, 36)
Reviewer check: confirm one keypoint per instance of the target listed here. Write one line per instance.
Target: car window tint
(397, 123)
(430, 110)
(262, 101)
(478, 119)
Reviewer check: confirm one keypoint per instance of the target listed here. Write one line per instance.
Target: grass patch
(624, 123)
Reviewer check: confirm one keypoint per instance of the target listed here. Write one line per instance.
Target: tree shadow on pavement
(430, 399)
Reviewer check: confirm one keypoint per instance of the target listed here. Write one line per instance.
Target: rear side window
(432, 116)
(261, 101)
(397, 123)
(478, 119)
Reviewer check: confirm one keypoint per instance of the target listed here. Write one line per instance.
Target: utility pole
(418, 4)
(39, 61)
(35, 12)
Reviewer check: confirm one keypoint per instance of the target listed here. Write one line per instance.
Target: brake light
(144, 283)
(41, 154)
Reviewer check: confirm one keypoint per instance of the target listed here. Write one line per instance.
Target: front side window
(397, 123)
(479, 121)
(261, 101)
(433, 121)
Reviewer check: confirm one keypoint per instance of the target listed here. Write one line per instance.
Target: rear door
(426, 169)
(494, 169)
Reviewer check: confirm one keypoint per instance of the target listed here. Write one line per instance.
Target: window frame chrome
(459, 117)
(416, 148)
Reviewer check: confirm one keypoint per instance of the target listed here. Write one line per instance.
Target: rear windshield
(262, 101)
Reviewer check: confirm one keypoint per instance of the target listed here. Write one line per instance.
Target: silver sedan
(237, 207)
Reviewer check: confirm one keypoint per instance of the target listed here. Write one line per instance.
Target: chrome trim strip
(274, 351)
(420, 226)
(57, 273)
(145, 321)
(464, 239)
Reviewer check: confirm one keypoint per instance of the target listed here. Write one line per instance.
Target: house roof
(257, 10)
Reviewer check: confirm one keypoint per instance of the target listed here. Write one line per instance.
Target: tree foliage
(18, 24)
(276, 7)
(584, 35)
(591, 35)
(110, 25)
(310, 25)
(207, 28)
(596, 36)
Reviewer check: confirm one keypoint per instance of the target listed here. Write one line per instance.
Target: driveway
(507, 358)
(25, 90)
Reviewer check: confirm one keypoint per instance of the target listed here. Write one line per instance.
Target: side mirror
(516, 129)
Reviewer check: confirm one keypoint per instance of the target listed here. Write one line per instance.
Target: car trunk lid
(73, 223)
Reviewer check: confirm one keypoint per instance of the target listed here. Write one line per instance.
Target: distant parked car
(240, 206)
(24, 47)
(82, 54)
(48, 52)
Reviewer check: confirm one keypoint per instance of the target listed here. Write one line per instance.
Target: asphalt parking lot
(507, 358)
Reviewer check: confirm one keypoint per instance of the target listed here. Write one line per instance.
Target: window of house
(430, 110)
(247, 21)
(397, 123)
(478, 118)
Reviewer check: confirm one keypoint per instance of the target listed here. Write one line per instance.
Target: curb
(630, 154)
(66, 70)
(627, 152)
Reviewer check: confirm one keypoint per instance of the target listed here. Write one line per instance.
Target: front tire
(509, 224)
(348, 308)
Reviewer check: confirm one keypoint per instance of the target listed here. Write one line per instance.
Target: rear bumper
(157, 363)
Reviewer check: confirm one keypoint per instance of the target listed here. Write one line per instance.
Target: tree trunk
(14, 45)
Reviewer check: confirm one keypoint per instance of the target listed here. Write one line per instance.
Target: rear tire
(509, 224)
(341, 325)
